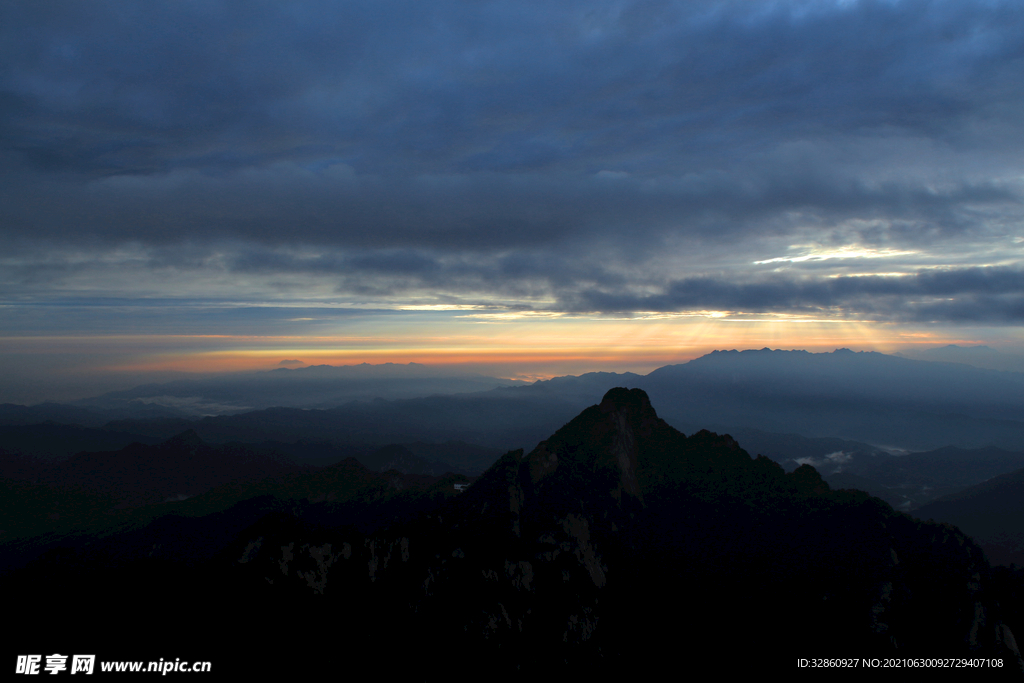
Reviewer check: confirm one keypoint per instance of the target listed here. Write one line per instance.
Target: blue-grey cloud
(968, 294)
(588, 153)
(401, 87)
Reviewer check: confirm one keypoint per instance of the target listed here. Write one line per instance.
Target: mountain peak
(631, 412)
(635, 401)
(603, 441)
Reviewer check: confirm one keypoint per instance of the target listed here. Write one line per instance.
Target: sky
(519, 188)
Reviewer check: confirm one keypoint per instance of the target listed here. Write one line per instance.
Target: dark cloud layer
(594, 156)
(969, 294)
(105, 88)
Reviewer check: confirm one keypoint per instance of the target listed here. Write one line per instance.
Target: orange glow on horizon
(68, 367)
(534, 349)
(525, 349)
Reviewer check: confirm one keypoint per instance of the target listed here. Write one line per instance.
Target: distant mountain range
(872, 398)
(616, 537)
(979, 356)
(869, 397)
(316, 386)
(845, 413)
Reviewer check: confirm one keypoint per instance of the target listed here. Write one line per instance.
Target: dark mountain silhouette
(464, 457)
(12, 414)
(83, 491)
(54, 441)
(87, 490)
(399, 458)
(992, 512)
(617, 537)
(180, 467)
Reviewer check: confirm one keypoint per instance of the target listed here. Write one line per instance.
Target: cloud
(960, 295)
(594, 156)
(831, 463)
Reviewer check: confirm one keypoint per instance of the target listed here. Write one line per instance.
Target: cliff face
(616, 538)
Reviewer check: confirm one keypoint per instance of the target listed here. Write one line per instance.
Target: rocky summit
(615, 541)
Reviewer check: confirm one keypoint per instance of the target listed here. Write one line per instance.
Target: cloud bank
(590, 157)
